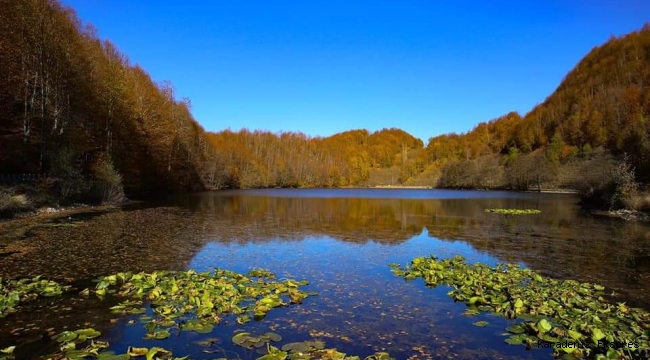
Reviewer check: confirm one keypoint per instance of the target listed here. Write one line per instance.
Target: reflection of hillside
(389, 221)
(559, 242)
(614, 254)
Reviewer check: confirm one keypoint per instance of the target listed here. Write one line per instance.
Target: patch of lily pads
(304, 350)
(514, 211)
(543, 310)
(193, 301)
(83, 344)
(14, 292)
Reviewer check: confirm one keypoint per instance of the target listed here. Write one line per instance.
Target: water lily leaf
(76, 354)
(155, 351)
(515, 340)
(136, 351)
(88, 333)
(66, 336)
(516, 329)
(273, 336)
(68, 346)
(481, 323)
(158, 335)
(8, 350)
(611, 354)
(204, 328)
(277, 356)
(597, 334)
(296, 346)
(574, 334)
(240, 338)
(546, 337)
(519, 304)
(243, 319)
(167, 323)
(544, 326)
(111, 356)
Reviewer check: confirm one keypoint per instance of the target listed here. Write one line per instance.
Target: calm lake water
(342, 242)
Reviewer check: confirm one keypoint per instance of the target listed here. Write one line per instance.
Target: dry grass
(640, 201)
(11, 203)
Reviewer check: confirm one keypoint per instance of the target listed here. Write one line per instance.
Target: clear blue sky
(321, 67)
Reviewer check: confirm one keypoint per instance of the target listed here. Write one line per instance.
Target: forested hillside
(73, 107)
(601, 109)
(256, 159)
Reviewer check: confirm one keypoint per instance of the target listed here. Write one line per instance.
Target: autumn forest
(74, 107)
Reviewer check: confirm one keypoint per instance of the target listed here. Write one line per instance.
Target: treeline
(601, 108)
(258, 159)
(74, 107)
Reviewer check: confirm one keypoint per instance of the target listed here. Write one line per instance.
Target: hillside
(601, 109)
(81, 118)
(75, 111)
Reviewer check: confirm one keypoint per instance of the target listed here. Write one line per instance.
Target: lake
(341, 241)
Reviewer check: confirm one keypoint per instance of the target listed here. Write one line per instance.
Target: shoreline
(625, 215)
(50, 212)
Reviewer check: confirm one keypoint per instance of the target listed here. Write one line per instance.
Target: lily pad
(549, 310)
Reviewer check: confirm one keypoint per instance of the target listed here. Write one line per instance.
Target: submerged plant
(549, 311)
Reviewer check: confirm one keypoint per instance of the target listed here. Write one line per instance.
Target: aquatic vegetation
(250, 341)
(514, 211)
(83, 344)
(548, 311)
(191, 301)
(13, 292)
(295, 350)
(313, 352)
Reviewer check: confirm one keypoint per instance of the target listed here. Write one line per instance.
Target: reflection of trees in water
(387, 221)
(559, 242)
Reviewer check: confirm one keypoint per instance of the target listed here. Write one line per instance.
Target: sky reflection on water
(342, 242)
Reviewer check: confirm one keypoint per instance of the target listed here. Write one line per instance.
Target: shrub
(626, 189)
(70, 182)
(107, 185)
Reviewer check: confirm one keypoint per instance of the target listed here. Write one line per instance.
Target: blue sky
(321, 67)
